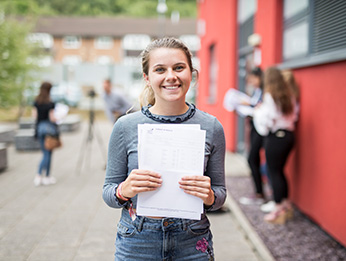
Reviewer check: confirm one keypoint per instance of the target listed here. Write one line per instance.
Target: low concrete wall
(70, 123)
(3, 156)
(25, 140)
(7, 134)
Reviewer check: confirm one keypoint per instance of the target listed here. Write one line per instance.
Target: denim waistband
(142, 222)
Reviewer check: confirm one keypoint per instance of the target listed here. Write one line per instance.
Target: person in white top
(255, 86)
(275, 119)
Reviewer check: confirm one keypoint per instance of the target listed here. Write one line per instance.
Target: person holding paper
(244, 106)
(255, 86)
(167, 71)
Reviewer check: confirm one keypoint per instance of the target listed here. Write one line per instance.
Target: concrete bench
(70, 123)
(7, 134)
(26, 123)
(25, 140)
(3, 156)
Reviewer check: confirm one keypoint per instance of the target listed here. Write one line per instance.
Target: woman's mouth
(171, 87)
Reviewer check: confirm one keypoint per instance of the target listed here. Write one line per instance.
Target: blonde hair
(147, 96)
(275, 85)
(291, 82)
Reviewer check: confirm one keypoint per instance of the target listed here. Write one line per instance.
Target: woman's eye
(159, 69)
(179, 68)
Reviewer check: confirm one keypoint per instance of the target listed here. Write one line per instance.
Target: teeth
(171, 87)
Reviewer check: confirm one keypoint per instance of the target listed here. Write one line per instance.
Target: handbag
(52, 142)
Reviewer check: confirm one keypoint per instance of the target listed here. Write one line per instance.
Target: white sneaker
(48, 181)
(37, 180)
(268, 207)
(251, 201)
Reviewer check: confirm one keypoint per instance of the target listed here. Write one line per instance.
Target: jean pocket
(125, 229)
(200, 227)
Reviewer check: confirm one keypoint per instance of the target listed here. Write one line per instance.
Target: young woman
(255, 82)
(167, 70)
(45, 124)
(275, 119)
(293, 86)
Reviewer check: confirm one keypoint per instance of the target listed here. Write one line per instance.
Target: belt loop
(140, 224)
(184, 224)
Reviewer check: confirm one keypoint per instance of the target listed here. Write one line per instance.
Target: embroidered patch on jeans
(203, 245)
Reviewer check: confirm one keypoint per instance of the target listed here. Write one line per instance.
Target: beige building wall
(87, 51)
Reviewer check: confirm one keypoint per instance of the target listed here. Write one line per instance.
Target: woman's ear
(196, 74)
(146, 78)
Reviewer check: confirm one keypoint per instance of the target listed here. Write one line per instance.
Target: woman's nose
(171, 75)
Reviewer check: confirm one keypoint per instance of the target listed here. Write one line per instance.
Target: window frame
(100, 42)
(68, 44)
(213, 68)
(310, 59)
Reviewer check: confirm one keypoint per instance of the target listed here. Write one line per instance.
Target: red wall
(317, 169)
(269, 26)
(317, 173)
(317, 166)
(220, 17)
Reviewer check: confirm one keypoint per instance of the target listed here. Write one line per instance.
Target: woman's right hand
(140, 181)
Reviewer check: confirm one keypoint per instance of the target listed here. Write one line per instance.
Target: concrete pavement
(70, 221)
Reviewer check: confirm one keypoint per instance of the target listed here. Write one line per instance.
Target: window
(213, 73)
(314, 31)
(296, 29)
(133, 45)
(42, 39)
(329, 30)
(135, 42)
(103, 42)
(296, 41)
(293, 7)
(104, 59)
(72, 42)
(71, 60)
(246, 12)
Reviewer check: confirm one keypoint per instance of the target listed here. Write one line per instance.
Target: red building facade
(303, 37)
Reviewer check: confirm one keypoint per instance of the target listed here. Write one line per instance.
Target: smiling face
(169, 76)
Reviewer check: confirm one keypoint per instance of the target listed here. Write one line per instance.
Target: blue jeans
(46, 159)
(163, 239)
(44, 128)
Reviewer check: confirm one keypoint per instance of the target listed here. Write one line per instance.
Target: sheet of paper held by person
(174, 151)
(234, 101)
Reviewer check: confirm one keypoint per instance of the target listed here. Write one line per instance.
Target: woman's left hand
(199, 186)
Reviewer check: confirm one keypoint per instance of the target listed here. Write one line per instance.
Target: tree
(17, 61)
(133, 8)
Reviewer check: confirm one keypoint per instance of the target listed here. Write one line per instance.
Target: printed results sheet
(174, 151)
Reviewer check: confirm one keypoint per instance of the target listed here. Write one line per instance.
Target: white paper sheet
(60, 112)
(173, 151)
(245, 110)
(234, 101)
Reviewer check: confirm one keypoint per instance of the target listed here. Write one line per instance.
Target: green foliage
(15, 66)
(134, 8)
